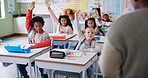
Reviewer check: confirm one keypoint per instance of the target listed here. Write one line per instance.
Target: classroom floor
(10, 71)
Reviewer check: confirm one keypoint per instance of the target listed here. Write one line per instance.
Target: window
(2, 9)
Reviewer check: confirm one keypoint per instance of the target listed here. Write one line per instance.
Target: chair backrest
(79, 43)
(52, 43)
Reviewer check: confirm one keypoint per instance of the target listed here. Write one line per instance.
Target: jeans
(42, 73)
(23, 72)
(22, 69)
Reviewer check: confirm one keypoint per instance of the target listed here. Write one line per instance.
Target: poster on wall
(59, 5)
(127, 7)
(94, 4)
(113, 7)
(11, 6)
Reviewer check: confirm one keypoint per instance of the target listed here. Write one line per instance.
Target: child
(83, 16)
(36, 35)
(106, 18)
(88, 44)
(64, 25)
(90, 22)
(97, 14)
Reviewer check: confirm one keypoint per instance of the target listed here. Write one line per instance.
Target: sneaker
(6, 64)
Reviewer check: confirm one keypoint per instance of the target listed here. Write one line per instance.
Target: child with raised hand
(78, 27)
(90, 22)
(36, 35)
(106, 18)
(63, 24)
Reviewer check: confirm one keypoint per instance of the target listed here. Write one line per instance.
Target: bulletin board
(128, 7)
(59, 5)
(11, 6)
(113, 7)
(94, 4)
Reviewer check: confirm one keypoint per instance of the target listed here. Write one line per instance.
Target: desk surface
(75, 39)
(102, 39)
(68, 36)
(4, 52)
(81, 61)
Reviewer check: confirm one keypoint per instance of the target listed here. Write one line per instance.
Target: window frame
(2, 9)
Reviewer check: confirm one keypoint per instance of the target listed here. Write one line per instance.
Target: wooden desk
(72, 65)
(62, 41)
(22, 58)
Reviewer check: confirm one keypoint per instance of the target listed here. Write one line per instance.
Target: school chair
(52, 43)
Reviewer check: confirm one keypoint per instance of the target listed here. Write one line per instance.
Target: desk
(76, 65)
(22, 58)
(62, 41)
(102, 39)
(74, 39)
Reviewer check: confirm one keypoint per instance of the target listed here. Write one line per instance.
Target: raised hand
(47, 4)
(32, 5)
(77, 12)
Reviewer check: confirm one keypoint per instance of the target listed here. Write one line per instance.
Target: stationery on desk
(18, 48)
(100, 39)
(71, 53)
(74, 54)
(61, 36)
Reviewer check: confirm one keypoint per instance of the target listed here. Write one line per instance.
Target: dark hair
(37, 19)
(68, 20)
(106, 15)
(92, 19)
(98, 10)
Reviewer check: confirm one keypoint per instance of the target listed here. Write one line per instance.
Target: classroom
(73, 38)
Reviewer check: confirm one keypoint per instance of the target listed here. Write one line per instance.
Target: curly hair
(68, 20)
(90, 19)
(37, 19)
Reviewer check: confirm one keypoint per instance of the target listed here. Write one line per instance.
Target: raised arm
(78, 27)
(29, 16)
(53, 17)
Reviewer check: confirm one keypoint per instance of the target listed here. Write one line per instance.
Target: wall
(74, 4)
(6, 24)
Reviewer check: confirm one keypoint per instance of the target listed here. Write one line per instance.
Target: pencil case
(57, 54)
(17, 49)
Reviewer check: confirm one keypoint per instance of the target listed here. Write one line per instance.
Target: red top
(44, 43)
